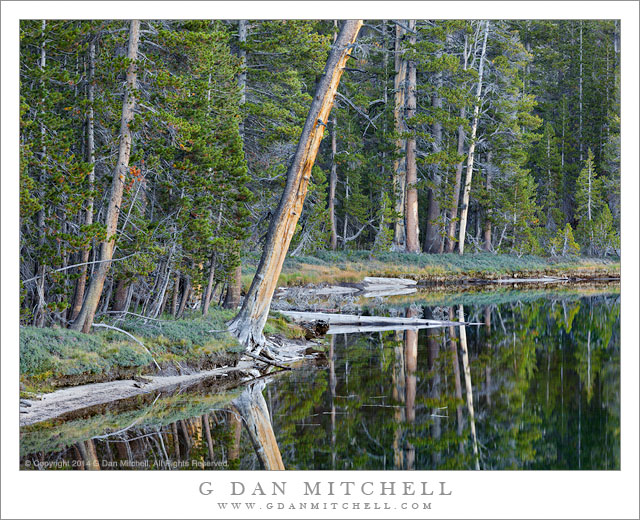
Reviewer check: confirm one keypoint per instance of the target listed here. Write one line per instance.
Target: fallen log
(353, 319)
(377, 280)
(353, 329)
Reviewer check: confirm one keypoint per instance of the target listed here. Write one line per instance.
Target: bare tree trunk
(413, 231)
(472, 146)
(236, 432)
(87, 313)
(580, 99)
(91, 157)
(206, 301)
(249, 322)
(399, 165)
(234, 292)
(87, 450)
(451, 232)
(333, 178)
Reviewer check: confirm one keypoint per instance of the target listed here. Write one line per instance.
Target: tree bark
(85, 318)
(234, 292)
(88, 215)
(249, 322)
(433, 239)
(185, 296)
(413, 231)
(399, 165)
(333, 177)
(453, 213)
(472, 146)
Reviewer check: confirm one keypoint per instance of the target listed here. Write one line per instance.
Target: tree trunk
(206, 301)
(433, 239)
(87, 313)
(472, 146)
(185, 296)
(333, 178)
(413, 231)
(234, 292)
(207, 432)
(88, 215)
(176, 293)
(249, 323)
(453, 213)
(399, 165)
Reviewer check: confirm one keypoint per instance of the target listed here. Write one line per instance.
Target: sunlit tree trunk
(413, 231)
(249, 323)
(472, 145)
(333, 177)
(84, 321)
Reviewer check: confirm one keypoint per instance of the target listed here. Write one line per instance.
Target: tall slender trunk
(413, 231)
(249, 322)
(174, 297)
(333, 177)
(88, 215)
(399, 165)
(38, 315)
(433, 238)
(453, 213)
(84, 321)
(206, 301)
(472, 145)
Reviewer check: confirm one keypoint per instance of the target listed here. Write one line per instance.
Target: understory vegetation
(54, 357)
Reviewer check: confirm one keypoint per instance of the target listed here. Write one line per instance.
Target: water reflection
(535, 387)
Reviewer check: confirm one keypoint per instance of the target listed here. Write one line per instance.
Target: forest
(154, 154)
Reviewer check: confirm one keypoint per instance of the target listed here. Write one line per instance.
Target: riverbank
(52, 358)
(352, 266)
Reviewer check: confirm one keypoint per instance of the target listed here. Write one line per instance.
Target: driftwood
(352, 329)
(352, 319)
(375, 280)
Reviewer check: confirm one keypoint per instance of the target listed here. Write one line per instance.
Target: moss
(279, 324)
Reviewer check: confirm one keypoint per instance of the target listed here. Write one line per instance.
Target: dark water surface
(535, 386)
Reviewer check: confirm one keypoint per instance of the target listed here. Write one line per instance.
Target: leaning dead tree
(247, 326)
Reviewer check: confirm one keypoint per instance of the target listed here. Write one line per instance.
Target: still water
(535, 385)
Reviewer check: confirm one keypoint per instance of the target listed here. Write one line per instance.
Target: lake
(533, 384)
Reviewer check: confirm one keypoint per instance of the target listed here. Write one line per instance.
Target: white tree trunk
(472, 146)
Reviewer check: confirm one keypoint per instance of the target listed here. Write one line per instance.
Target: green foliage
(563, 243)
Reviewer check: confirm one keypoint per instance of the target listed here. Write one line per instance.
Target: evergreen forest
(154, 153)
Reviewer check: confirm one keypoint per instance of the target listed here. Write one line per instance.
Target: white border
(174, 495)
